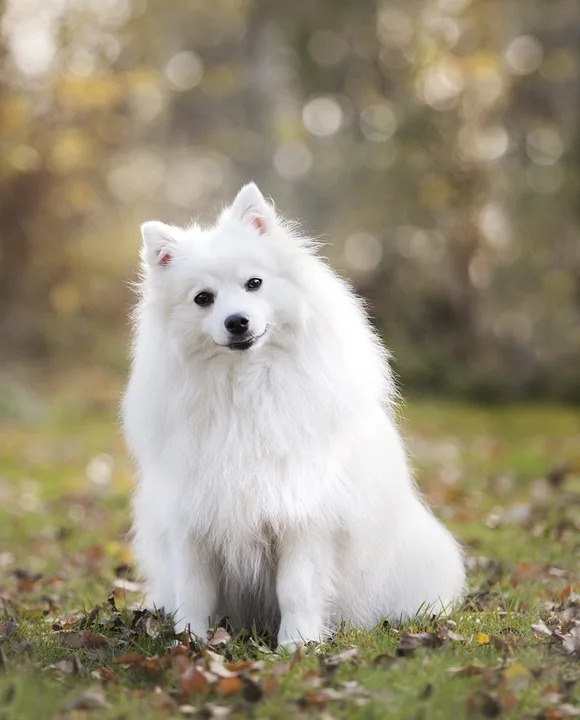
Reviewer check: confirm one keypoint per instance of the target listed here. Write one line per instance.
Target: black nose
(237, 324)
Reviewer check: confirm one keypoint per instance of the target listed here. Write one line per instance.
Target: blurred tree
(433, 143)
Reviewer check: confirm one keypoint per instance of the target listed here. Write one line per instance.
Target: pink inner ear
(259, 224)
(164, 258)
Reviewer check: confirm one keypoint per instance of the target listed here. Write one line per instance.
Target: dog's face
(228, 289)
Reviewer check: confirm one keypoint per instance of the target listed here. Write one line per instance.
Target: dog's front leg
(196, 587)
(302, 585)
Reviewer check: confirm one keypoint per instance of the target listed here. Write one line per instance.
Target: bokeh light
(432, 145)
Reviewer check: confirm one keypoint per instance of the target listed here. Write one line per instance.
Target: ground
(74, 644)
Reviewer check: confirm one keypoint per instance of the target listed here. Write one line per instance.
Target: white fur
(273, 485)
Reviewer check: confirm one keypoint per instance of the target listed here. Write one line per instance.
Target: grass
(506, 480)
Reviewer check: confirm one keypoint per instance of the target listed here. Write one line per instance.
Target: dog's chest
(255, 457)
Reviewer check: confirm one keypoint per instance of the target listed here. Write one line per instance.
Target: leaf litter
(118, 645)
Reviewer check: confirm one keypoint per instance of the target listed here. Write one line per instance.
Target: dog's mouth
(245, 344)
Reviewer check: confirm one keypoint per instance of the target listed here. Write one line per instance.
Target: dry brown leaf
(129, 660)
(104, 674)
(162, 701)
(229, 685)
(270, 685)
(561, 712)
(194, 681)
(238, 667)
(219, 637)
(409, 642)
(498, 642)
(348, 654)
(82, 639)
(312, 679)
(314, 699)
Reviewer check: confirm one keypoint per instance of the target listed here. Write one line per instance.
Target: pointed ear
(159, 241)
(250, 206)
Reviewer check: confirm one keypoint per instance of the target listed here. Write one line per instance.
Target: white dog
(273, 484)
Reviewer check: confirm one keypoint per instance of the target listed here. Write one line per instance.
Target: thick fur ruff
(273, 485)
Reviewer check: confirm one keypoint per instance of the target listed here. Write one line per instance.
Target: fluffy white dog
(273, 485)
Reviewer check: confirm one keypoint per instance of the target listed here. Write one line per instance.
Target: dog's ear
(159, 242)
(250, 206)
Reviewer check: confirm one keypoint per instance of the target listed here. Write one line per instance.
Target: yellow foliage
(81, 195)
(93, 93)
(434, 192)
(14, 114)
(71, 150)
(483, 61)
(65, 298)
(223, 80)
(561, 66)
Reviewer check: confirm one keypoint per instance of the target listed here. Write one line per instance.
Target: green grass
(506, 480)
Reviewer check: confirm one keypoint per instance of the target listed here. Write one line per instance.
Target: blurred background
(433, 144)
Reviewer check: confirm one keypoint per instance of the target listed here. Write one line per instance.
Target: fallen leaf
(571, 639)
(72, 666)
(212, 710)
(128, 660)
(561, 712)
(517, 677)
(465, 670)
(348, 654)
(219, 637)
(194, 681)
(88, 700)
(238, 667)
(187, 709)
(162, 701)
(26, 579)
(386, 660)
(313, 699)
(82, 639)
(104, 674)
(541, 628)
(270, 685)
(312, 679)
(253, 691)
(152, 627)
(490, 707)
(229, 685)
(8, 628)
(498, 643)
(408, 643)
(126, 585)
(558, 474)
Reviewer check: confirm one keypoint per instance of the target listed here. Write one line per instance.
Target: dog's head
(227, 289)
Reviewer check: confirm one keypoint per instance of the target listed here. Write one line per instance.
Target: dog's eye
(253, 284)
(203, 298)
